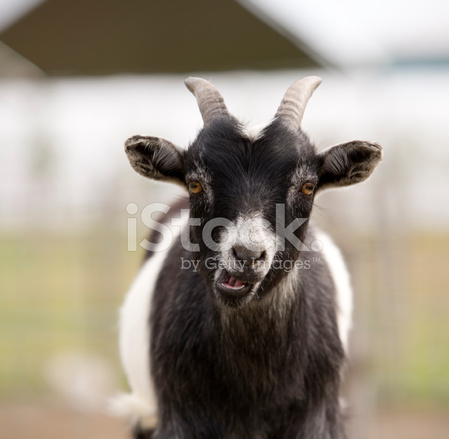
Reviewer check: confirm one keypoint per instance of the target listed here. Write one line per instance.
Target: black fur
(251, 375)
(138, 433)
(269, 366)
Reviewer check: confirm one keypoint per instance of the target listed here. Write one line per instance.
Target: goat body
(239, 329)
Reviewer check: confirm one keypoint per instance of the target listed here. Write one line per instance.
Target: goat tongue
(233, 283)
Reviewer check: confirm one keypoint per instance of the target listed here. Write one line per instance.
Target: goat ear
(348, 163)
(155, 158)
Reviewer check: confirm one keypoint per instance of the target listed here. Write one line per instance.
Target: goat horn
(209, 99)
(292, 107)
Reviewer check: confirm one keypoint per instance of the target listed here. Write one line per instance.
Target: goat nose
(248, 256)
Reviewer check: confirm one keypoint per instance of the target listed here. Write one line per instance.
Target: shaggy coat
(240, 329)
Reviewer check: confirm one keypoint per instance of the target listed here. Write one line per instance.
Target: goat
(239, 329)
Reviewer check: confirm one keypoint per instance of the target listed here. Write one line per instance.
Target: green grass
(407, 311)
(58, 293)
(61, 293)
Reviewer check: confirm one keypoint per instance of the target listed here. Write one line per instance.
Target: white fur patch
(252, 232)
(342, 282)
(255, 233)
(135, 409)
(134, 336)
(254, 131)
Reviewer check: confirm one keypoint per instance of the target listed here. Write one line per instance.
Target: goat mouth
(231, 286)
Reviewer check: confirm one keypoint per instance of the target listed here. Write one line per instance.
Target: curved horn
(295, 100)
(209, 99)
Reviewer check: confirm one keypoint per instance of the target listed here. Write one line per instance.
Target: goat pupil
(308, 188)
(195, 187)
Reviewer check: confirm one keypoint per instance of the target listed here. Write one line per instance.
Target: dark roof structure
(101, 37)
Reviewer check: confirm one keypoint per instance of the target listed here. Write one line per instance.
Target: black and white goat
(247, 339)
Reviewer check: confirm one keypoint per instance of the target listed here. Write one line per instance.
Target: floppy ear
(155, 158)
(348, 163)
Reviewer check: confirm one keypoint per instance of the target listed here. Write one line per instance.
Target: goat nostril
(248, 256)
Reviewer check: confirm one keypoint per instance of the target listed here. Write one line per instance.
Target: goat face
(250, 196)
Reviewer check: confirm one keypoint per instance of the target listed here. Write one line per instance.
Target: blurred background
(77, 78)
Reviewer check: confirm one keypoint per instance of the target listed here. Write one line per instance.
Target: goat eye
(307, 188)
(195, 187)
